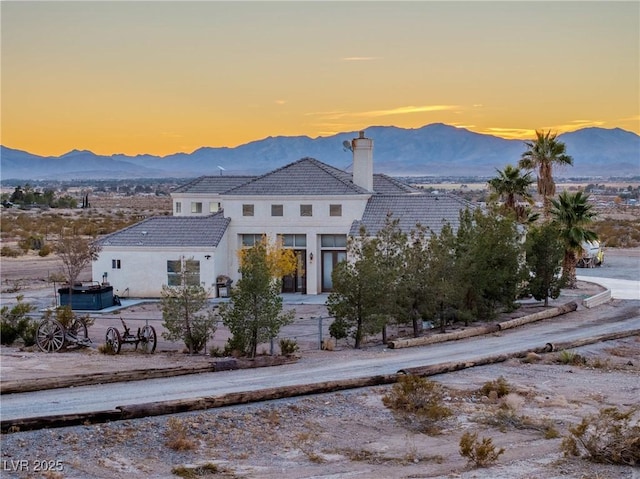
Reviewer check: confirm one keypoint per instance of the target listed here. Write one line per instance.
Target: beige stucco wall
(186, 199)
(144, 271)
(291, 223)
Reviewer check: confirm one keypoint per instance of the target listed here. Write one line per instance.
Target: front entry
(297, 282)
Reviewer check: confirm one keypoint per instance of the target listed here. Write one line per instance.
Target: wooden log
(245, 397)
(441, 338)
(29, 385)
(594, 339)
(480, 330)
(10, 387)
(539, 316)
(63, 420)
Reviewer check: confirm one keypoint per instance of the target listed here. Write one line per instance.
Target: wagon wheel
(113, 340)
(148, 339)
(50, 336)
(79, 333)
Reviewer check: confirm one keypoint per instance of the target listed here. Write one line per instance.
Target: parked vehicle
(592, 255)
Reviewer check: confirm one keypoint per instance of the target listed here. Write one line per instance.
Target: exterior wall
(291, 223)
(143, 271)
(186, 199)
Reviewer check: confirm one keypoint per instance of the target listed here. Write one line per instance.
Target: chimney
(363, 161)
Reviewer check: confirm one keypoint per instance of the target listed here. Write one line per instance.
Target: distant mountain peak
(436, 149)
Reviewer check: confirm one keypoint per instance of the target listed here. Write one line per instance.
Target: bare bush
(480, 453)
(417, 400)
(611, 437)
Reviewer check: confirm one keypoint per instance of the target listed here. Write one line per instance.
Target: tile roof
(429, 210)
(307, 176)
(213, 184)
(171, 231)
(385, 185)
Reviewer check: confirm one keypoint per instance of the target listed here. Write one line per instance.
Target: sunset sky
(166, 77)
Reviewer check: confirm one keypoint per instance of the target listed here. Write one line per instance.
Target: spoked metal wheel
(79, 333)
(113, 340)
(148, 339)
(50, 336)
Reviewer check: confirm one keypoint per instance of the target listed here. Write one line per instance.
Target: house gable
(305, 177)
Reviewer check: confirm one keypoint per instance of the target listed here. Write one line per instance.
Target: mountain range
(432, 150)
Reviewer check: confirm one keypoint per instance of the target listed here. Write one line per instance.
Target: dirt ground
(341, 435)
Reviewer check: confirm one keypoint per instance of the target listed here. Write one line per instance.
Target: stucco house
(311, 206)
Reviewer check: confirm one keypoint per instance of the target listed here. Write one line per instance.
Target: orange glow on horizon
(167, 77)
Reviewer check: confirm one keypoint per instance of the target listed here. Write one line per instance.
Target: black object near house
(92, 297)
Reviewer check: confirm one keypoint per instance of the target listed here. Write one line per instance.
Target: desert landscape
(338, 435)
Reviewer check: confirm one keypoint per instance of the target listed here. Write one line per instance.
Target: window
(178, 207)
(247, 210)
(251, 240)
(196, 207)
(333, 241)
(294, 241)
(115, 264)
(306, 210)
(335, 210)
(277, 210)
(183, 270)
(213, 207)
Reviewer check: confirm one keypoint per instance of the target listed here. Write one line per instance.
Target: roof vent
(144, 233)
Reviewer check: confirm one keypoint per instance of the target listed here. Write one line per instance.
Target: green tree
(542, 154)
(443, 292)
(487, 269)
(254, 313)
(544, 253)
(572, 213)
(512, 187)
(389, 247)
(186, 315)
(355, 296)
(414, 294)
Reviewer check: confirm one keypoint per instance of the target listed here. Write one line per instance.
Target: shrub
(192, 472)
(28, 334)
(498, 388)
(176, 435)
(572, 358)
(45, 250)
(479, 453)
(611, 437)
(414, 399)
(15, 323)
(288, 346)
(107, 348)
(339, 329)
(9, 252)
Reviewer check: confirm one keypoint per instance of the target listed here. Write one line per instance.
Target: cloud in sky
(511, 133)
(402, 110)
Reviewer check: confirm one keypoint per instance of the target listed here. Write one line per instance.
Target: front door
(297, 282)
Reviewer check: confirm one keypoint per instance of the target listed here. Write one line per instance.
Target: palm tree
(572, 212)
(542, 154)
(511, 186)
